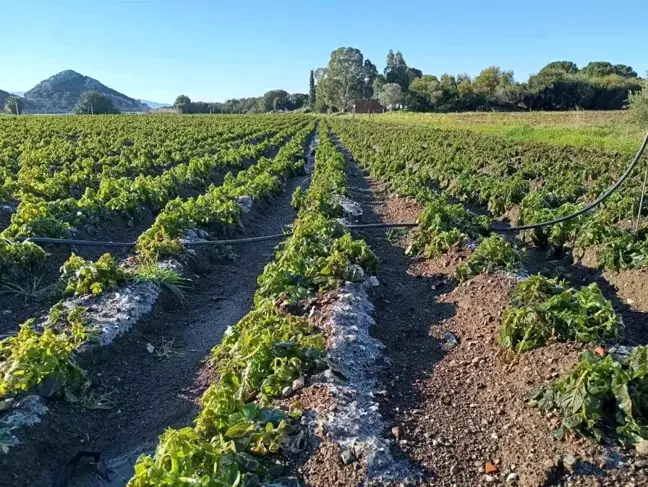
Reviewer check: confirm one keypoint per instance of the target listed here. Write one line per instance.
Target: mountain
(155, 105)
(3, 97)
(27, 107)
(61, 92)
(18, 93)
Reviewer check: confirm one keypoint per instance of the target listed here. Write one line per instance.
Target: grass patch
(612, 130)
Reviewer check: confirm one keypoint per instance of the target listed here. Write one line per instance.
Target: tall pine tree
(311, 90)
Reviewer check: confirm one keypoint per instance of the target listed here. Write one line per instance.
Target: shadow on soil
(406, 309)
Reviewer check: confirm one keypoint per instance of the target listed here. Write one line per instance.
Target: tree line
(271, 101)
(560, 85)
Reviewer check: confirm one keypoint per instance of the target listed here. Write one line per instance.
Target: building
(367, 105)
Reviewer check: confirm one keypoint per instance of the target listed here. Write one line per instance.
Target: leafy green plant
(546, 308)
(599, 392)
(84, 277)
(443, 225)
(29, 357)
(493, 254)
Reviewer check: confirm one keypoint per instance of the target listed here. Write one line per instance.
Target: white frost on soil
(355, 423)
(26, 412)
(113, 313)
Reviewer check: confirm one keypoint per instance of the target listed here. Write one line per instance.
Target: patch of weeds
(167, 349)
(164, 277)
(30, 289)
(95, 400)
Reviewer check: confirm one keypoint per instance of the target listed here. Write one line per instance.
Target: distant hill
(3, 97)
(61, 92)
(155, 105)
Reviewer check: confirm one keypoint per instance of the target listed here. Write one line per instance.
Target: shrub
(638, 105)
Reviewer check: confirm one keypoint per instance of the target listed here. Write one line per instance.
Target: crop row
(270, 347)
(46, 348)
(57, 159)
(121, 196)
(525, 182)
(604, 389)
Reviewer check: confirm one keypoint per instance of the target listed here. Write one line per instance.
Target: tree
(493, 78)
(370, 75)
(638, 105)
(311, 90)
(297, 101)
(183, 104)
(275, 100)
(565, 67)
(397, 70)
(92, 102)
(14, 105)
(344, 78)
(425, 93)
(597, 69)
(390, 95)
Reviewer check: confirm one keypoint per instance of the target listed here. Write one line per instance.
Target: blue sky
(214, 50)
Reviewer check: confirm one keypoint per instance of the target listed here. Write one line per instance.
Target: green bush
(638, 105)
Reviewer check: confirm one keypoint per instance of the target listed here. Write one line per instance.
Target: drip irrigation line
(636, 159)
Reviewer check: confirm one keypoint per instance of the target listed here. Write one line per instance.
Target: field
(453, 352)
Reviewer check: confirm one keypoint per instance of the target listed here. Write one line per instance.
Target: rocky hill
(27, 106)
(61, 92)
(3, 97)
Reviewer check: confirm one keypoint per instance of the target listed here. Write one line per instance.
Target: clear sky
(212, 50)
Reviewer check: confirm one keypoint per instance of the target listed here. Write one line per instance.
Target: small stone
(489, 478)
(287, 391)
(570, 462)
(6, 312)
(641, 463)
(512, 477)
(347, 457)
(396, 432)
(490, 468)
(150, 348)
(298, 383)
(454, 470)
(475, 360)
(449, 341)
(642, 447)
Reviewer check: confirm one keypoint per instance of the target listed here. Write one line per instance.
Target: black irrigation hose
(590, 206)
